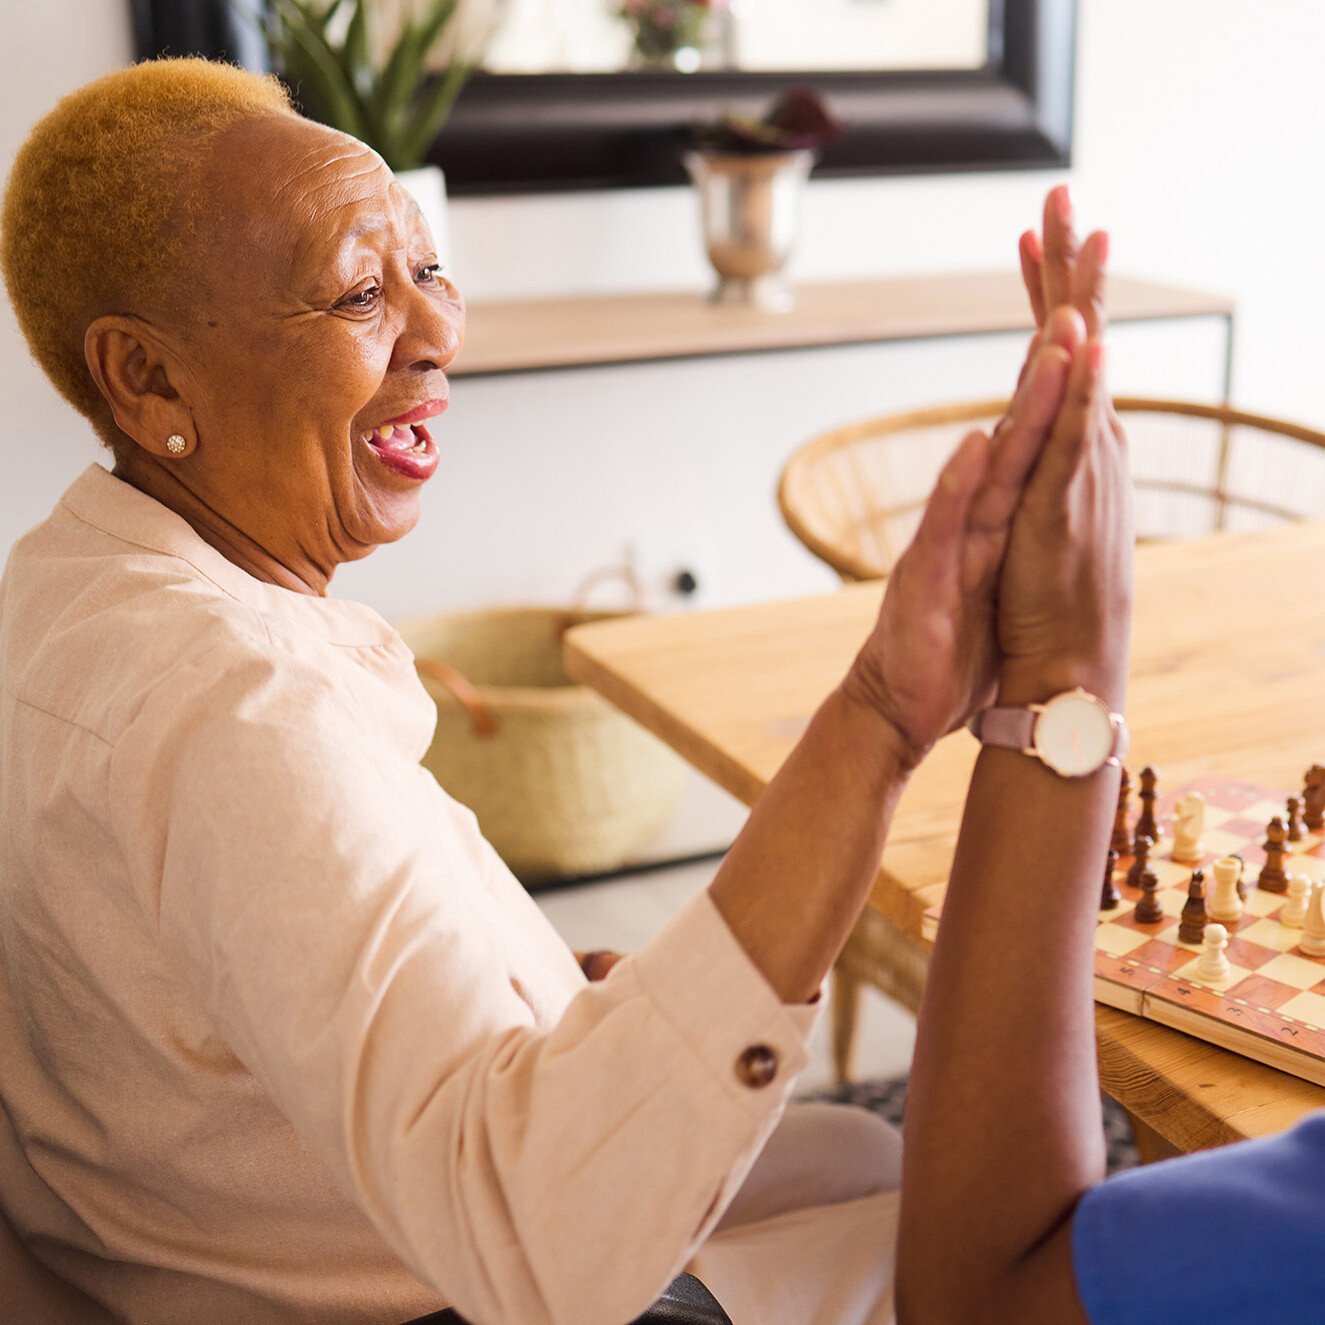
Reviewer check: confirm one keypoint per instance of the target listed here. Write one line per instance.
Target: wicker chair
(854, 496)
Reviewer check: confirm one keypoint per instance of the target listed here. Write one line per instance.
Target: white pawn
(1213, 965)
(1312, 941)
(1188, 826)
(1225, 905)
(1299, 898)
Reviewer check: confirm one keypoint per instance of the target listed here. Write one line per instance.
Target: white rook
(1225, 905)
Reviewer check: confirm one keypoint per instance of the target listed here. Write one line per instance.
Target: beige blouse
(281, 1039)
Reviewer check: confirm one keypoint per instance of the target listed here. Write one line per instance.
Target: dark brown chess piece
(1145, 824)
(1313, 798)
(1141, 859)
(1272, 877)
(1148, 909)
(1121, 842)
(1191, 927)
(1109, 895)
(1294, 819)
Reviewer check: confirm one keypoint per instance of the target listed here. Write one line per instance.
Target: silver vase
(750, 208)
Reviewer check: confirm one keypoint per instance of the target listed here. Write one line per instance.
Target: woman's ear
(140, 379)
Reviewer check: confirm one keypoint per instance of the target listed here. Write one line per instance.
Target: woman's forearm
(1003, 1117)
(798, 875)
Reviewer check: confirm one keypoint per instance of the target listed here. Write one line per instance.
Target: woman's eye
(431, 272)
(361, 298)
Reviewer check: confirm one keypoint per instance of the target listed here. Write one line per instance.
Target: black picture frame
(521, 133)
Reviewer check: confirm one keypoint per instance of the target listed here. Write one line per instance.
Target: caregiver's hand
(1061, 271)
(1065, 593)
(933, 658)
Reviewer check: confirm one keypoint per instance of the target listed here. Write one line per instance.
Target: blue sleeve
(1234, 1235)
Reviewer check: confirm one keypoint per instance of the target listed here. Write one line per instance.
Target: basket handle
(579, 600)
(460, 689)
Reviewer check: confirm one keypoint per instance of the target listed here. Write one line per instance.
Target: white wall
(1198, 125)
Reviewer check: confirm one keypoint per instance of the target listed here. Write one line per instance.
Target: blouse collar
(117, 508)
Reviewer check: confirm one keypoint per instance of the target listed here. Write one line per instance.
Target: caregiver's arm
(795, 880)
(1003, 1129)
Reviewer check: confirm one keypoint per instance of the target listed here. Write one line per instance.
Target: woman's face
(316, 352)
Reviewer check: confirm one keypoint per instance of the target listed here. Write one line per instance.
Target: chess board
(1271, 1006)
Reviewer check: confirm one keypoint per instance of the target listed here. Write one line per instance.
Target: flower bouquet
(798, 121)
(664, 32)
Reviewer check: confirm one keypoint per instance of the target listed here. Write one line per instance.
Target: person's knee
(819, 1154)
(863, 1149)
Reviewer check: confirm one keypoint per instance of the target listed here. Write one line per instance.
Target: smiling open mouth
(405, 448)
(409, 437)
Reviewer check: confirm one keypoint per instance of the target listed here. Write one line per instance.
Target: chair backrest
(853, 496)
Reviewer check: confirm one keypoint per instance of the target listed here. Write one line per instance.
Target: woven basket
(561, 782)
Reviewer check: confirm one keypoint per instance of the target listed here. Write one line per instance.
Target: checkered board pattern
(1271, 1007)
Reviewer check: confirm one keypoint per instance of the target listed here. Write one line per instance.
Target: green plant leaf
(399, 110)
(405, 66)
(432, 27)
(357, 61)
(320, 20)
(432, 112)
(394, 88)
(315, 66)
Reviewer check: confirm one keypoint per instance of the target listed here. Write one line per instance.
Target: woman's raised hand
(1050, 493)
(933, 657)
(1065, 592)
(1061, 272)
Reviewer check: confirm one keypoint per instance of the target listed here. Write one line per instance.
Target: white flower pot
(427, 186)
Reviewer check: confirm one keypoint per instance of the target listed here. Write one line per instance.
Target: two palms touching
(958, 611)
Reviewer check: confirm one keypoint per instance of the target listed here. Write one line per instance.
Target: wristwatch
(1075, 733)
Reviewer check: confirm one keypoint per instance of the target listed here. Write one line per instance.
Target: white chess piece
(1188, 826)
(1225, 905)
(1213, 965)
(1299, 898)
(1312, 941)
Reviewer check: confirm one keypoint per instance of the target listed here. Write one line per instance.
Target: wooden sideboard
(539, 335)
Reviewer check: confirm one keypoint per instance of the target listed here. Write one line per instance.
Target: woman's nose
(433, 329)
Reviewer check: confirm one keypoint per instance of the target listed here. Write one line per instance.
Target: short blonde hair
(101, 202)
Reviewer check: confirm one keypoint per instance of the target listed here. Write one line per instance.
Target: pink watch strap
(1011, 728)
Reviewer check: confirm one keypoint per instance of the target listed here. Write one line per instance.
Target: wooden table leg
(845, 1010)
(1150, 1146)
(878, 955)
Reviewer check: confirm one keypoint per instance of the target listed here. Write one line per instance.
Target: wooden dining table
(1227, 678)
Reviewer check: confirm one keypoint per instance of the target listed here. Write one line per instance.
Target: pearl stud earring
(175, 444)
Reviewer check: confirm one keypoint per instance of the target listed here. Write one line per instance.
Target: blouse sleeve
(1229, 1235)
(320, 897)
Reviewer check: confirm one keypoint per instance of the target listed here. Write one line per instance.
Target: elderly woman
(280, 1037)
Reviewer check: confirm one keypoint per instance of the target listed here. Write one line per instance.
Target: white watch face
(1074, 734)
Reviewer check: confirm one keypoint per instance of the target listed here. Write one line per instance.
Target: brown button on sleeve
(757, 1066)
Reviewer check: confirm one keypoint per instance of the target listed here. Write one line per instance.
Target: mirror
(954, 85)
(771, 36)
